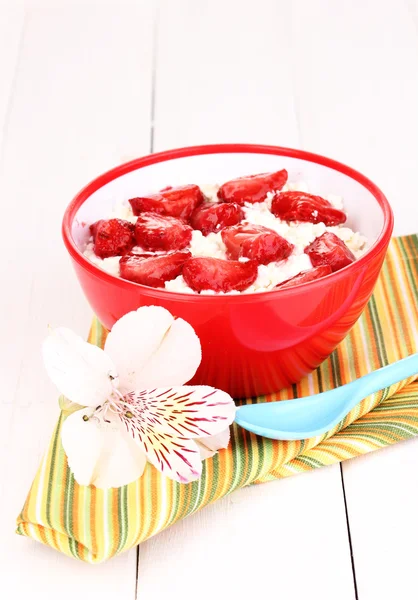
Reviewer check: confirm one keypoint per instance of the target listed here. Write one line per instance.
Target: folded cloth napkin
(93, 525)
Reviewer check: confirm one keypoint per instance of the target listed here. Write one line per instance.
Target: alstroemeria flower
(134, 404)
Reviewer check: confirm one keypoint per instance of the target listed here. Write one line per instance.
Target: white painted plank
(413, 9)
(12, 14)
(356, 83)
(382, 496)
(224, 73)
(265, 541)
(80, 105)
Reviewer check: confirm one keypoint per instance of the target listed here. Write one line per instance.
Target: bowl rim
(150, 159)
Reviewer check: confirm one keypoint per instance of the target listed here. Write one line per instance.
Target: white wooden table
(87, 85)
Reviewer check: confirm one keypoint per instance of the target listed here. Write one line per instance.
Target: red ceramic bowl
(251, 343)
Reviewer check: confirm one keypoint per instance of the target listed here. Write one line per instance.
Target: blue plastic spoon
(307, 417)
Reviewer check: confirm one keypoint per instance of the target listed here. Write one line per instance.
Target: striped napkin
(94, 525)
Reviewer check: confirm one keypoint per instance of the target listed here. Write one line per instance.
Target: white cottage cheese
(211, 245)
(110, 265)
(299, 234)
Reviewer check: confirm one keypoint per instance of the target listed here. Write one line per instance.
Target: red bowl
(252, 344)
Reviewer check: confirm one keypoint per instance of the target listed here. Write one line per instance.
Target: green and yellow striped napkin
(94, 525)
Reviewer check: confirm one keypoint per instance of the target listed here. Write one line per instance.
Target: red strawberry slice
(94, 227)
(300, 206)
(214, 216)
(113, 237)
(177, 202)
(306, 276)
(328, 249)
(157, 232)
(253, 188)
(256, 242)
(154, 270)
(219, 275)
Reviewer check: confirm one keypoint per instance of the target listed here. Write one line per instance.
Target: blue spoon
(307, 417)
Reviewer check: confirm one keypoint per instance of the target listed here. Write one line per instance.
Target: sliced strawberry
(300, 206)
(219, 275)
(113, 237)
(305, 276)
(328, 249)
(255, 242)
(253, 188)
(154, 270)
(94, 227)
(214, 216)
(156, 232)
(177, 202)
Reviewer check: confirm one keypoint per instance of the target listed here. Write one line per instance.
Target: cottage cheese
(110, 265)
(299, 234)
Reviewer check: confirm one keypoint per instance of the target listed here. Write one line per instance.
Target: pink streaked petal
(186, 411)
(176, 457)
(210, 445)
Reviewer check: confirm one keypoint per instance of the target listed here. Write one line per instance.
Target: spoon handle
(309, 416)
(382, 378)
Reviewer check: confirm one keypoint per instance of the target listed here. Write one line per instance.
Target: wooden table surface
(87, 85)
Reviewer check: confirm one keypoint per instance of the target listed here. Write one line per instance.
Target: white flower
(134, 404)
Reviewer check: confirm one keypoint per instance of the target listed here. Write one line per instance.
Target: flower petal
(81, 371)
(176, 360)
(165, 421)
(185, 411)
(210, 445)
(175, 456)
(152, 349)
(99, 451)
